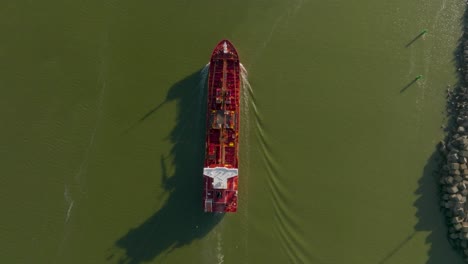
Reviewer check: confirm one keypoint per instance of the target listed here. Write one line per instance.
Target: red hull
(220, 172)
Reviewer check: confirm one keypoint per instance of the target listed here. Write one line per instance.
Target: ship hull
(220, 173)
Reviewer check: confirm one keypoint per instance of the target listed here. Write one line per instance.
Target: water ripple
(286, 228)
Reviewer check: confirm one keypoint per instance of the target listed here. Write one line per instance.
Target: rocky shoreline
(454, 182)
(454, 173)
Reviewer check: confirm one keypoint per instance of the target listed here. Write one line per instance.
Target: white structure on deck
(220, 175)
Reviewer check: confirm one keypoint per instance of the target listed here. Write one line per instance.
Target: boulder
(449, 204)
(458, 178)
(460, 129)
(452, 189)
(464, 192)
(453, 157)
(461, 235)
(463, 165)
(453, 150)
(465, 226)
(449, 180)
(442, 180)
(451, 147)
(461, 213)
(457, 206)
(445, 168)
(464, 244)
(454, 166)
(461, 186)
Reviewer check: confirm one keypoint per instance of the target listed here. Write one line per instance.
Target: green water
(102, 131)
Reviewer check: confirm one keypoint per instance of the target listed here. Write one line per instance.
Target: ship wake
(285, 227)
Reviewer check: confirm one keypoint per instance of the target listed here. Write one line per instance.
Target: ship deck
(222, 137)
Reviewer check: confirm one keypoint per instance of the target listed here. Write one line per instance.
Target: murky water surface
(102, 131)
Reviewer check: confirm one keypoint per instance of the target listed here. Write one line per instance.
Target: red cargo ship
(220, 173)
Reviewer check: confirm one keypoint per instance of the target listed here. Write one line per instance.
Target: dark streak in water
(155, 109)
(408, 85)
(416, 38)
(181, 220)
(148, 114)
(397, 248)
(429, 217)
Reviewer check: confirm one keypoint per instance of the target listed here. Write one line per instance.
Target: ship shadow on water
(181, 219)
